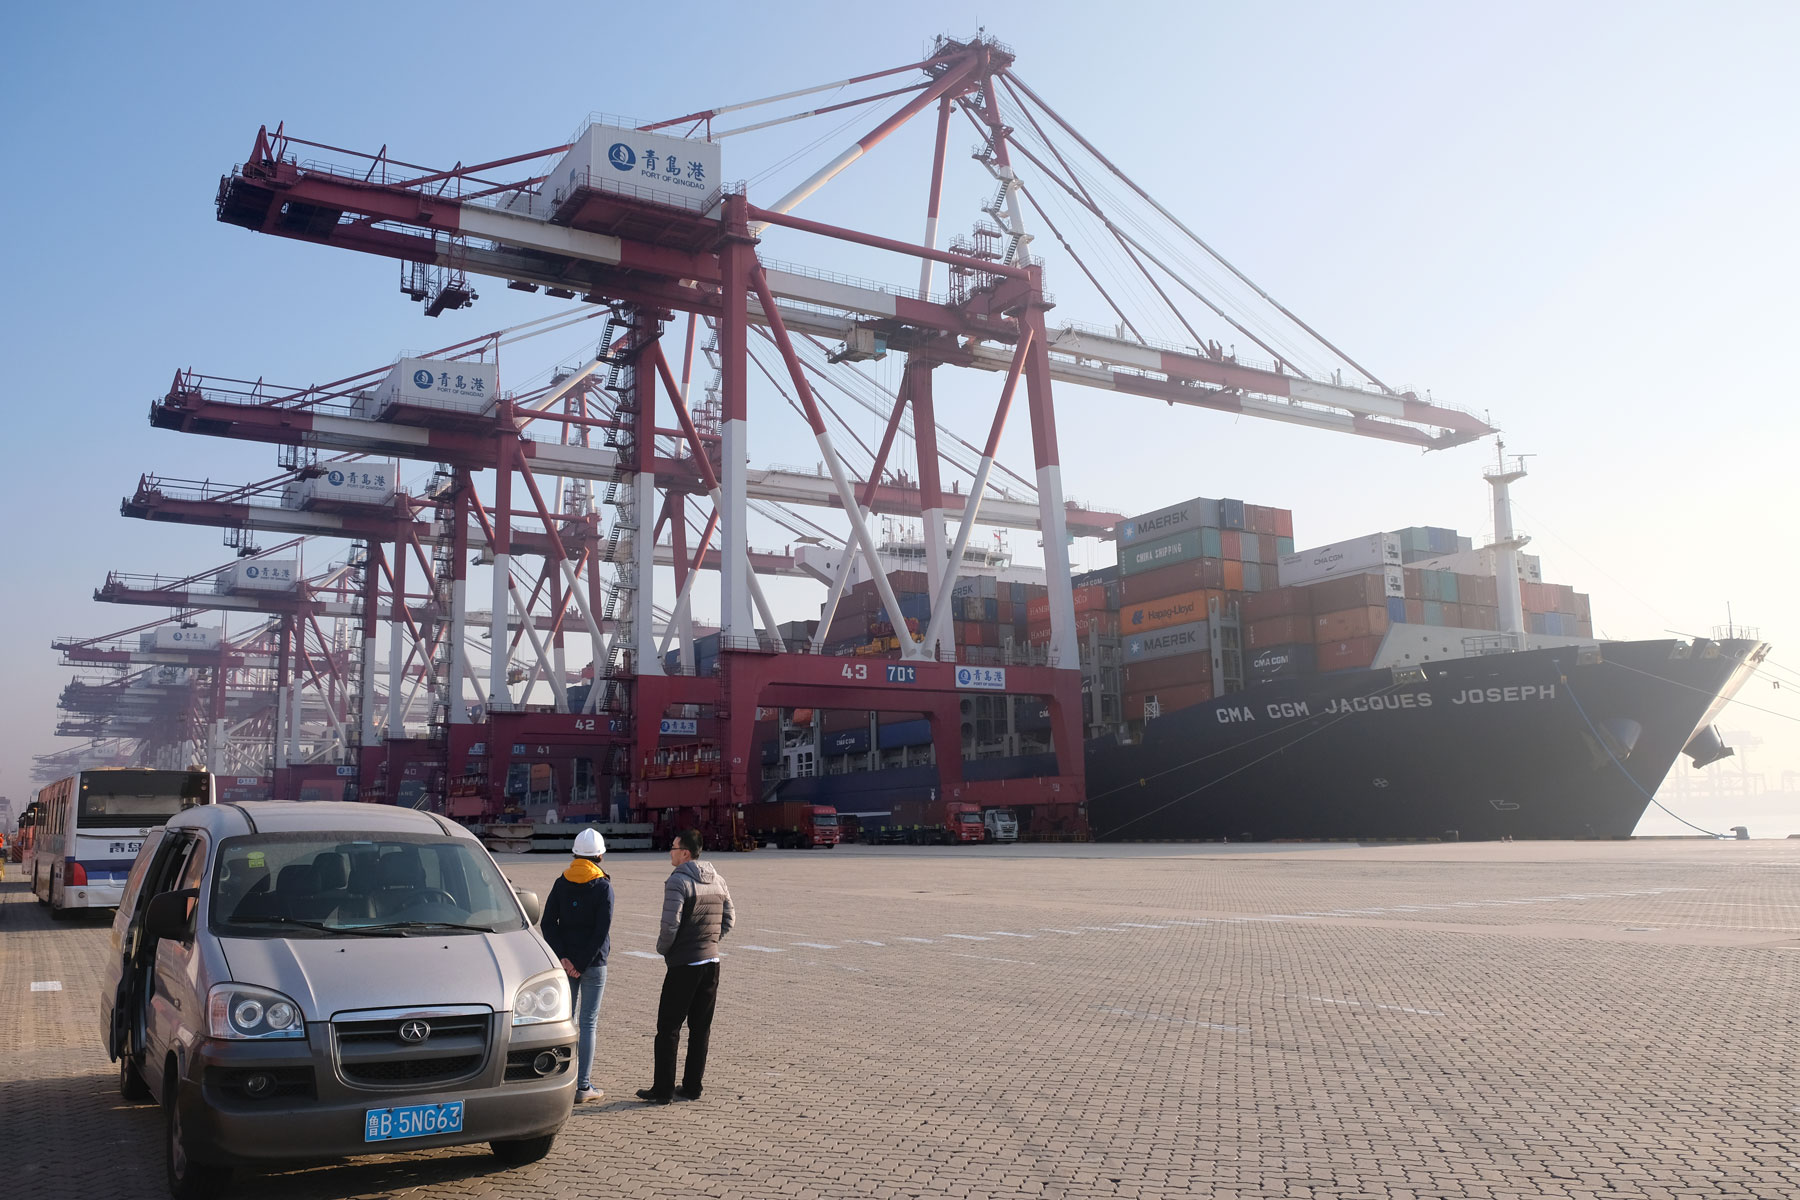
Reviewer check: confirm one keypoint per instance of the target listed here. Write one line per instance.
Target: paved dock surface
(1607, 1020)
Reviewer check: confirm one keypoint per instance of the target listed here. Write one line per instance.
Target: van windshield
(326, 884)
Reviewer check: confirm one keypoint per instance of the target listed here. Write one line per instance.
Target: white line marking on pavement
(799, 931)
(1139, 925)
(643, 954)
(47, 985)
(990, 958)
(925, 941)
(1003, 933)
(865, 942)
(816, 945)
(1070, 932)
(765, 949)
(1158, 1017)
(968, 937)
(1424, 1012)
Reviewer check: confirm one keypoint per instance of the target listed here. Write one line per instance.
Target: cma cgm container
(261, 575)
(1165, 522)
(1281, 662)
(1340, 558)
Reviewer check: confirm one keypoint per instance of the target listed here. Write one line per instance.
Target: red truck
(918, 822)
(792, 824)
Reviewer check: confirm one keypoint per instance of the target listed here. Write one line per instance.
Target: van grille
(373, 1053)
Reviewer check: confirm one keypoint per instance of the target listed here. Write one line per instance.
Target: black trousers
(688, 995)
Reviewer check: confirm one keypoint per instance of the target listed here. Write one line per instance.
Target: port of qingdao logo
(337, 478)
(622, 156)
(422, 377)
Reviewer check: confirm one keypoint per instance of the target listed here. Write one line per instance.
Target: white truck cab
(1001, 824)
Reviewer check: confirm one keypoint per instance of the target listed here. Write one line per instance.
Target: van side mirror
(170, 915)
(534, 907)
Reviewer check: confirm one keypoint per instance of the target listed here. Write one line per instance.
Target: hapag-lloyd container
(174, 637)
(442, 385)
(1183, 609)
(1166, 643)
(1164, 552)
(1340, 558)
(258, 575)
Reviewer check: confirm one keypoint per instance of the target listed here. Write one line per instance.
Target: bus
(90, 826)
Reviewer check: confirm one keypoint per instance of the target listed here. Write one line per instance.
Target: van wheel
(131, 1081)
(188, 1179)
(524, 1151)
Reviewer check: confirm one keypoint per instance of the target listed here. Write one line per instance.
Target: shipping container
(1163, 522)
(835, 720)
(1278, 631)
(1415, 611)
(1168, 700)
(1211, 543)
(1168, 610)
(1284, 527)
(1234, 575)
(1434, 612)
(905, 733)
(1356, 591)
(1368, 621)
(1281, 662)
(1396, 607)
(1340, 558)
(1249, 547)
(1253, 576)
(1231, 545)
(1276, 602)
(1147, 556)
(1165, 643)
(1231, 514)
(1186, 576)
(1181, 671)
(1350, 654)
(846, 741)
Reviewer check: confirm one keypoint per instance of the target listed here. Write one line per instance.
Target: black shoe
(652, 1096)
(688, 1093)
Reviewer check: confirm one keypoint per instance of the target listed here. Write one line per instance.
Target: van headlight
(543, 999)
(239, 1011)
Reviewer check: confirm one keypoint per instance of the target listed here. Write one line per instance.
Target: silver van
(307, 981)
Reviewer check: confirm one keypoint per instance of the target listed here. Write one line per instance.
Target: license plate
(415, 1120)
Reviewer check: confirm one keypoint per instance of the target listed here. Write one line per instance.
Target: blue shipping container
(1231, 514)
(906, 733)
(1253, 580)
(1396, 610)
(847, 741)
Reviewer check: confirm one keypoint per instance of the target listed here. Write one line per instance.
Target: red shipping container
(1087, 599)
(1284, 523)
(1584, 610)
(1037, 609)
(1415, 611)
(1231, 545)
(1347, 654)
(1411, 584)
(1280, 602)
(1349, 591)
(1350, 623)
(836, 720)
(1234, 575)
(1106, 622)
(1258, 519)
(1481, 616)
(1169, 699)
(1454, 617)
(1279, 631)
(1184, 670)
(1171, 581)
(1266, 551)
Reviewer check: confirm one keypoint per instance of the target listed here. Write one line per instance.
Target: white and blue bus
(91, 825)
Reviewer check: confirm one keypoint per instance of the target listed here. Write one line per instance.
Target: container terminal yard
(1117, 832)
(523, 636)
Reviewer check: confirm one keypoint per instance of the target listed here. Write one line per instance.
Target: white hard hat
(589, 844)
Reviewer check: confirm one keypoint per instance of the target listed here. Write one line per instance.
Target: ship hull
(1554, 743)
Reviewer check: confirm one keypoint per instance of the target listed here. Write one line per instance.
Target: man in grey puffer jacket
(696, 913)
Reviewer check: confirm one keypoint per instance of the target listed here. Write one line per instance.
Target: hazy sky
(1578, 219)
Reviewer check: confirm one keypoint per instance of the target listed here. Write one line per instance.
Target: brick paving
(1566, 1020)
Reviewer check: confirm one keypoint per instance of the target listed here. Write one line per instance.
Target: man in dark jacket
(578, 925)
(697, 912)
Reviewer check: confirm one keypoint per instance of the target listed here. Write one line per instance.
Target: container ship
(1402, 685)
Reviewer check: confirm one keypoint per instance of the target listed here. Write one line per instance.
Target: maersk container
(174, 637)
(1231, 514)
(1164, 522)
(1340, 558)
(1148, 556)
(1166, 643)
(259, 575)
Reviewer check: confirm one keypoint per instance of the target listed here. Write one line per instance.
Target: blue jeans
(585, 996)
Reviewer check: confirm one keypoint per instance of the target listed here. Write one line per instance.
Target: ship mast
(1507, 544)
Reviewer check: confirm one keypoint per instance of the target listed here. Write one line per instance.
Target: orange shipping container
(1350, 623)
(1278, 602)
(1169, 699)
(1348, 654)
(1284, 523)
(1183, 609)
(1234, 575)
(1183, 670)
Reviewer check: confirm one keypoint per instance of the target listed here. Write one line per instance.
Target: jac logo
(621, 156)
